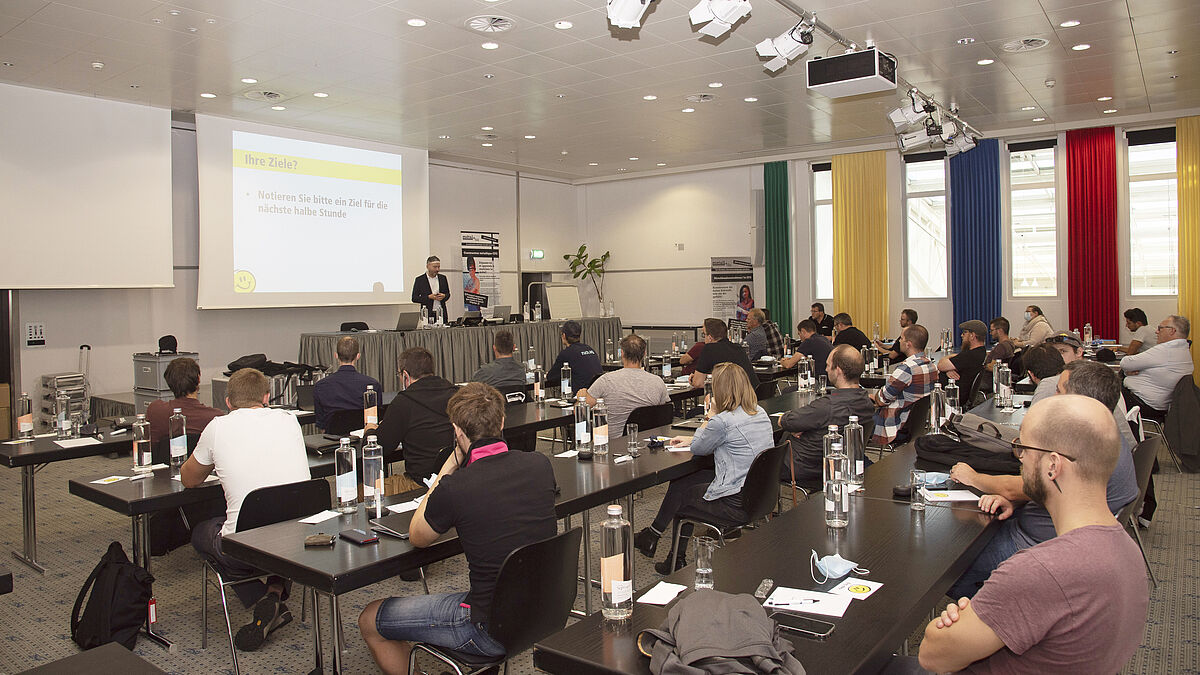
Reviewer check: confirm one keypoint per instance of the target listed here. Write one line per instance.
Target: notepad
(404, 507)
(210, 478)
(320, 517)
(662, 593)
(77, 442)
(949, 495)
(109, 480)
(568, 453)
(808, 602)
(679, 448)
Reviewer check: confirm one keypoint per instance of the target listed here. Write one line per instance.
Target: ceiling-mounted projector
(863, 72)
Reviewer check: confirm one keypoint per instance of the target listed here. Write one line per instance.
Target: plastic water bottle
(143, 457)
(666, 365)
(537, 311)
(600, 428)
(539, 384)
(347, 477)
(525, 310)
(708, 397)
(831, 436)
(856, 451)
(372, 454)
(682, 343)
(531, 358)
(875, 332)
(565, 382)
(439, 314)
(953, 397)
(583, 432)
(787, 345)
(424, 316)
(675, 344)
(24, 416)
(1087, 335)
(812, 373)
(802, 374)
(62, 414)
(937, 409)
(609, 355)
(177, 425)
(1003, 387)
(370, 408)
(616, 566)
(837, 492)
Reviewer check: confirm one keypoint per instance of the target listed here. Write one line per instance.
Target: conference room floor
(73, 534)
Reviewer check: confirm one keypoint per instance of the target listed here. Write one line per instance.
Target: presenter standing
(431, 287)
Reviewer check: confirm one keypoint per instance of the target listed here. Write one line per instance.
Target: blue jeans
(1010, 539)
(440, 620)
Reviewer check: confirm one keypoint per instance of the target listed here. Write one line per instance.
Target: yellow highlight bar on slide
(271, 161)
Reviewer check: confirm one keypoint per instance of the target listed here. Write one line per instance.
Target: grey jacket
(734, 438)
(503, 372)
(809, 425)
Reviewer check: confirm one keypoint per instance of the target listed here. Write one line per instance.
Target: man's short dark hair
(917, 334)
(503, 342)
(417, 362)
(842, 319)
(347, 349)
(808, 325)
(1043, 361)
(182, 376)
(432, 259)
(819, 306)
(911, 314)
(848, 360)
(478, 410)
(633, 348)
(1136, 315)
(572, 330)
(1001, 323)
(715, 328)
(1094, 380)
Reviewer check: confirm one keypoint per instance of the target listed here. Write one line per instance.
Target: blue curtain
(976, 270)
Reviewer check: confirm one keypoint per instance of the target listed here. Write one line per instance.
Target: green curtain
(779, 259)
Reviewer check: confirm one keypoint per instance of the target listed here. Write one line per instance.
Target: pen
(140, 476)
(806, 601)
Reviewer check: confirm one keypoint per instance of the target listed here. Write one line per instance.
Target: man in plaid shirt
(913, 379)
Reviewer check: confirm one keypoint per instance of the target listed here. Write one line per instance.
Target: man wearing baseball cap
(966, 364)
(1068, 344)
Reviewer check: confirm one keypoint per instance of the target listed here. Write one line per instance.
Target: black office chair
(342, 422)
(651, 416)
(541, 576)
(264, 506)
(914, 426)
(766, 390)
(970, 393)
(354, 327)
(160, 451)
(1017, 365)
(760, 496)
(1144, 454)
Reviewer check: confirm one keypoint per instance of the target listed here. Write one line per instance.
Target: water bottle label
(666, 369)
(63, 422)
(531, 364)
(845, 501)
(566, 384)
(622, 591)
(371, 416)
(537, 390)
(25, 423)
(179, 446)
(829, 505)
(612, 577)
(601, 434)
(858, 467)
(581, 432)
(347, 487)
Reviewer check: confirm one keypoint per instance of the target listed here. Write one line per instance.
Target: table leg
(629, 514)
(317, 645)
(141, 551)
(337, 633)
(28, 554)
(587, 561)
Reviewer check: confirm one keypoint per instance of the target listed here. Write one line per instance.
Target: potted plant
(584, 266)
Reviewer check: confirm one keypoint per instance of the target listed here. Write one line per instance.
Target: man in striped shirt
(912, 380)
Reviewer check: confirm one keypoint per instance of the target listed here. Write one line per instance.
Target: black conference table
(917, 555)
(31, 456)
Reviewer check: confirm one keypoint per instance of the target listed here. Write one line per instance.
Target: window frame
(1134, 139)
(814, 169)
(1008, 239)
(917, 158)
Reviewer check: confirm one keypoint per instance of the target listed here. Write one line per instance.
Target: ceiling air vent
(1024, 45)
(490, 24)
(263, 95)
(699, 98)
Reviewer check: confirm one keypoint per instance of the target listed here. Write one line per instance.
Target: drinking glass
(917, 500)
(631, 440)
(821, 383)
(705, 546)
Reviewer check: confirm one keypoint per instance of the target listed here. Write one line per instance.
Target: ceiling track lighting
(791, 44)
(718, 15)
(627, 13)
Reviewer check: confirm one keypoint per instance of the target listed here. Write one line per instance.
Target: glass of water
(705, 546)
(822, 382)
(631, 440)
(917, 499)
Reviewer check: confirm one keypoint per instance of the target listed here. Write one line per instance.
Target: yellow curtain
(1187, 167)
(860, 238)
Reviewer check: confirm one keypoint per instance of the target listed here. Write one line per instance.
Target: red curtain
(1093, 291)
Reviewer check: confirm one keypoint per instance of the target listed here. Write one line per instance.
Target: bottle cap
(614, 509)
(141, 416)
(854, 418)
(370, 387)
(343, 440)
(833, 427)
(599, 401)
(179, 410)
(371, 438)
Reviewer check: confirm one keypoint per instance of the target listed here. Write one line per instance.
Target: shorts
(441, 620)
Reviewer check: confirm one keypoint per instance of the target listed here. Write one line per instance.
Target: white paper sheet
(622, 459)
(211, 478)
(109, 480)
(77, 442)
(405, 507)
(568, 453)
(807, 602)
(949, 495)
(859, 589)
(662, 593)
(679, 448)
(320, 517)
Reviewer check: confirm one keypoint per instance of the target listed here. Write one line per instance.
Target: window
(822, 191)
(1153, 219)
(1034, 224)
(925, 206)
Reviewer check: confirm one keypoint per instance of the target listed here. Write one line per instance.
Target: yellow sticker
(859, 588)
(243, 282)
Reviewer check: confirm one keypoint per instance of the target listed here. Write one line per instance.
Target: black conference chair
(541, 575)
(766, 390)
(1144, 454)
(264, 506)
(651, 416)
(342, 422)
(966, 399)
(354, 327)
(914, 426)
(760, 496)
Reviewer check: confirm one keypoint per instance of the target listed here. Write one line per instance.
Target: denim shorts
(440, 620)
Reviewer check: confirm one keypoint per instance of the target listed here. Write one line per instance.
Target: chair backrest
(1144, 454)
(353, 326)
(766, 389)
(651, 416)
(918, 418)
(277, 503)
(160, 452)
(342, 422)
(760, 492)
(966, 398)
(1017, 365)
(541, 576)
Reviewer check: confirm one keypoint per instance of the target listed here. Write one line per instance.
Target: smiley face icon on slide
(243, 282)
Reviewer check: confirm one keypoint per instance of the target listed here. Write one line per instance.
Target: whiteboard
(564, 301)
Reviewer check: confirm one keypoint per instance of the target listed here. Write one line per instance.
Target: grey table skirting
(457, 352)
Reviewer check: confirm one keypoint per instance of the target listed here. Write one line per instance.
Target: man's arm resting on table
(1008, 487)
(954, 647)
(193, 473)
(696, 379)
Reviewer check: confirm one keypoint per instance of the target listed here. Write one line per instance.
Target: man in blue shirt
(585, 365)
(343, 389)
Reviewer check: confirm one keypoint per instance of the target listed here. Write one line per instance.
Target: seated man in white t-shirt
(252, 447)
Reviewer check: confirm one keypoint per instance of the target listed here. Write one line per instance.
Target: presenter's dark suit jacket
(421, 292)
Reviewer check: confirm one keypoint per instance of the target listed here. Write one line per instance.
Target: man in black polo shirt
(497, 501)
(968, 362)
(824, 321)
(585, 365)
(812, 344)
(718, 349)
(416, 420)
(847, 334)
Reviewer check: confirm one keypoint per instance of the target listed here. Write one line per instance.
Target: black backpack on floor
(118, 604)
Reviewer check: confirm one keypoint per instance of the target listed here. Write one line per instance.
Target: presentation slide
(290, 218)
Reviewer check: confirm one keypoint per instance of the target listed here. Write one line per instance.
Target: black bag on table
(117, 606)
(256, 361)
(939, 452)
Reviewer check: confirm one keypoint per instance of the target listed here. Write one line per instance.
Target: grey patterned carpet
(74, 533)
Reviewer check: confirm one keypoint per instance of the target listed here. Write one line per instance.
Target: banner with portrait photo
(732, 287)
(481, 271)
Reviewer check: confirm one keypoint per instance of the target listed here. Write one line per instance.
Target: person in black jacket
(423, 291)
(585, 364)
(416, 420)
(847, 334)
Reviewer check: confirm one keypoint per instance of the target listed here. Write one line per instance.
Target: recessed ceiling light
(563, 25)
(622, 169)
(1029, 107)
(1173, 77)
(156, 21)
(1070, 23)
(8, 64)
(1110, 111)
(278, 107)
(593, 163)
(486, 145)
(416, 23)
(97, 65)
(751, 99)
(965, 40)
(530, 136)
(560, 95)
(1080, 47)
(208, 95)
(249, 80)
(1039, 119)
(320, 94)
(490, 45)
(486, 128)
(633, 159)
(488, 76)
(715, 85)
(134, 86)
(1104, 98)
(210, 21)
(444, 137)
(688, 110)
(563, 152)
(174, 12)
(985, 62)
(649, 97)
(193, 29)
(662, 164)
(1172, 52)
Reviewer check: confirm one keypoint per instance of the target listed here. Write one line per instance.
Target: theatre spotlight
(791, 44)
(962, 143)
(913, 140)
(950, 132)
(719, 15)
(627, 13)
(910, 114)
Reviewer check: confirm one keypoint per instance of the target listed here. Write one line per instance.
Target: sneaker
(270, 614)
(1143, 523)
(664, 567)
(646, 541)
(411, 575)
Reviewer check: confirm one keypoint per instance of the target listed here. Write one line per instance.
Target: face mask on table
(832, 567)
